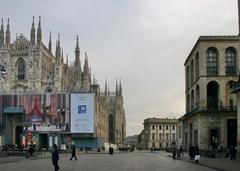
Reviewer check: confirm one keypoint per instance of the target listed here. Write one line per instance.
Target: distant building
(132, 141)
(158, 133)
(210, 72)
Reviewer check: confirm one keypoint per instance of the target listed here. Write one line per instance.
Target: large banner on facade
(43, 112)
(82, 113)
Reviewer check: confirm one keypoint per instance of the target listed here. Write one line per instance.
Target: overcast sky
(143, 42)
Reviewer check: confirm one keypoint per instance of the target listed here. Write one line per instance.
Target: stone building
(210, 72)
(117, 120)
(31, 67)
(159, 133)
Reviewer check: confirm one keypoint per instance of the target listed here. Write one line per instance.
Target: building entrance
(214, 138)
(18, 132)
(231, 132)
(43, 140)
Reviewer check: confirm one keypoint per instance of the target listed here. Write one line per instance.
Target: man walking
(73, 153)
(55, 157)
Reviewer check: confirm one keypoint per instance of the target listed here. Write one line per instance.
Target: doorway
(231, 132)
(43, 140)
(214, 138)
(18, 132)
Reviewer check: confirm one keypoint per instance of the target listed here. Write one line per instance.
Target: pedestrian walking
(73, 152)
(197, 153)
(181, 151)
(55, 157)
(174, 153)
(233, 151)
(191, 152)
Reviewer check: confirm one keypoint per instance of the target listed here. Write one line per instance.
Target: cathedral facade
(31, 67)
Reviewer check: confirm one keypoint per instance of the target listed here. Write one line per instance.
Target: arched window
(188, 103)
(192, 72)
(212, 95)
(21, 70)
(230, 98)
(48, 90)
(192, 100)
(196, 66)
(187, 77)
(230, 61)
(197, 96)
(212, 61)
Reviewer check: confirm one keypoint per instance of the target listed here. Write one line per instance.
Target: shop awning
(13, 110)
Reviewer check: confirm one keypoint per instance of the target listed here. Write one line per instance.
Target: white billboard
(82, 113)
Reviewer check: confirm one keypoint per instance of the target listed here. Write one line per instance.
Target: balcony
(211, 109)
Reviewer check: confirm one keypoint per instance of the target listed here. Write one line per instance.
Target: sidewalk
(221, 164)
(8, 159)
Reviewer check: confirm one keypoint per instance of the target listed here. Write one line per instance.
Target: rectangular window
(153, 127)
(167, 137)
(153, 136)
(166, 127)
(173, 136)
(173, 127)
(160, 136)
(160, 127)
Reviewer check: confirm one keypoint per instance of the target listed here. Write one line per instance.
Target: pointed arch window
(212, 61)
(230, 61)
(21, 72)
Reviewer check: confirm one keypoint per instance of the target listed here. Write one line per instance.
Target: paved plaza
(135, 161)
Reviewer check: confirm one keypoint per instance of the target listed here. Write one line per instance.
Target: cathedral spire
(116, 86)
(120, 88)
(8, 35)
(62, 56)
(67, 60)
(32, 35)
(50, 42)
(58, 48)
(86, 67)
(106, 88)
(77, 62)
(39, 32)
(2, 35)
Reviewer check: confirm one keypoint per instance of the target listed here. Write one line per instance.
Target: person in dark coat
(174, 153)
(197, 153)
(233, 151)
(73, 153)
(181, 151)
(191, 152)
(55, 157)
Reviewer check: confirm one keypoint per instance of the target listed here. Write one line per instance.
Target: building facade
(210, 73)
(33, 68)
(159, 133)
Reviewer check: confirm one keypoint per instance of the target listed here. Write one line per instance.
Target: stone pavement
(221, 163)
(119, 161)
(140, 161)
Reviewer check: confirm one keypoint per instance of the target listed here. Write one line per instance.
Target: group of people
(178, 152)
(194, 153)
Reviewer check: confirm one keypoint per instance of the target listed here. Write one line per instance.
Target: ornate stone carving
(20, 44)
